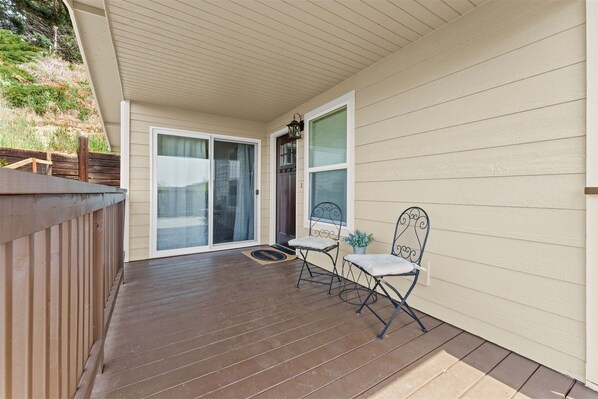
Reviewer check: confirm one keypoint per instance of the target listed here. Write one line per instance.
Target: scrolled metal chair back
(326, 220)
(411, 234)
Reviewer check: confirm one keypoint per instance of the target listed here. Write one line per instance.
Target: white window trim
(347, 100)
(154, 253)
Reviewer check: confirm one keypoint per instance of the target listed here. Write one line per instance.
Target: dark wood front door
(286, 171)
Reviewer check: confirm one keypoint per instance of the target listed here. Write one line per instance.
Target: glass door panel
(234, 192)
(183, 175)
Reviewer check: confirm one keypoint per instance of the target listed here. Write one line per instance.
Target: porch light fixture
(295, 127)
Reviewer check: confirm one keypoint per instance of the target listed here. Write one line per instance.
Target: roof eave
(97, 50)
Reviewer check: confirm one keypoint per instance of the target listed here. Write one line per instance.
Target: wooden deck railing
(61, 257)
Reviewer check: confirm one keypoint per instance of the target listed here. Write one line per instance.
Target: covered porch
(220, 325)
(481, 112)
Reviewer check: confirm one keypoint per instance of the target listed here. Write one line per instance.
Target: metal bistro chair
(411, 234)
(325, 222)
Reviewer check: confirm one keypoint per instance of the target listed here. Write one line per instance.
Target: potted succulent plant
(359, 240)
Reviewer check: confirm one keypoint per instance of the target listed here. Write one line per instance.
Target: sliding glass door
(203, 192)
(234, 192)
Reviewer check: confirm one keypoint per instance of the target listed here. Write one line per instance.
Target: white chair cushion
(317, 243)
(382, 264)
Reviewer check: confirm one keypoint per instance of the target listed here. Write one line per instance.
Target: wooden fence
(61, 257)
(93, 167)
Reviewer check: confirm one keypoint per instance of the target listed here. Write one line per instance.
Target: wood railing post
(83, 154)
(49, 165)
(99, 299)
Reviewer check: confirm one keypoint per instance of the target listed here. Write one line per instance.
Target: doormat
(268, 256)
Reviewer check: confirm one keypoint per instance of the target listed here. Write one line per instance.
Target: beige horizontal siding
(523, 224)
(144, 116)
(536, 92)
(559, 121)
(482, 123)
(565, 156)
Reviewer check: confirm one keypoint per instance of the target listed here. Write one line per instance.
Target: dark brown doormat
(268, 256)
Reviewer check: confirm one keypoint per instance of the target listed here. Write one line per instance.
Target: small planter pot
(359, 250)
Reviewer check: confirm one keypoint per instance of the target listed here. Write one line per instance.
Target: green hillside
(45, 101)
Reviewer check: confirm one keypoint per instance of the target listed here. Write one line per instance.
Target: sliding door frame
(256, 214)
(153, 195)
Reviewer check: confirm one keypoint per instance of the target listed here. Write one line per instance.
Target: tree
(44, 23)
(10, 17)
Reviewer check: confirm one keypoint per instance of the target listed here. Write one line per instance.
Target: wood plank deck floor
(220, 325)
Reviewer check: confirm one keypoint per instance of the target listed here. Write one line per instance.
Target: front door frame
(273, 221)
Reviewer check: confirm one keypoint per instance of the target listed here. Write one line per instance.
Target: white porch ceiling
(257, 59)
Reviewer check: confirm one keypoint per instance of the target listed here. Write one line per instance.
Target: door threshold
(284, 249)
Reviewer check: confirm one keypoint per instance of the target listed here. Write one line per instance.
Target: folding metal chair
(411, 234)
(325, 222)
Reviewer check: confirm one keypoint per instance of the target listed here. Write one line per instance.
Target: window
(329, 156)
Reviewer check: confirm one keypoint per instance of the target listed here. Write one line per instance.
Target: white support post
(125, 158)
(592, 199)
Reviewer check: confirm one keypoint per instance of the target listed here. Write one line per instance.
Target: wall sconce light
(295, 128)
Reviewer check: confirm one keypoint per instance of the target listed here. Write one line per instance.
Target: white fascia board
(92, 30)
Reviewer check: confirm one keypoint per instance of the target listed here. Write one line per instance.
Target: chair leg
(300, 274)
(372, 291)
(303, 266)
(414, 316)
(334, 271)
(399, 305)
(331, 280)
(312, 274)
(390, 320)
(402, 304)
(332, 276)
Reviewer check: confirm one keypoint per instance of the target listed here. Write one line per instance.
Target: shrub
(69, 49)
(40, 98)
(13, 49)
(64, 141)
(10, 74)
(83, 114)
(39, 40)
(98, 143)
